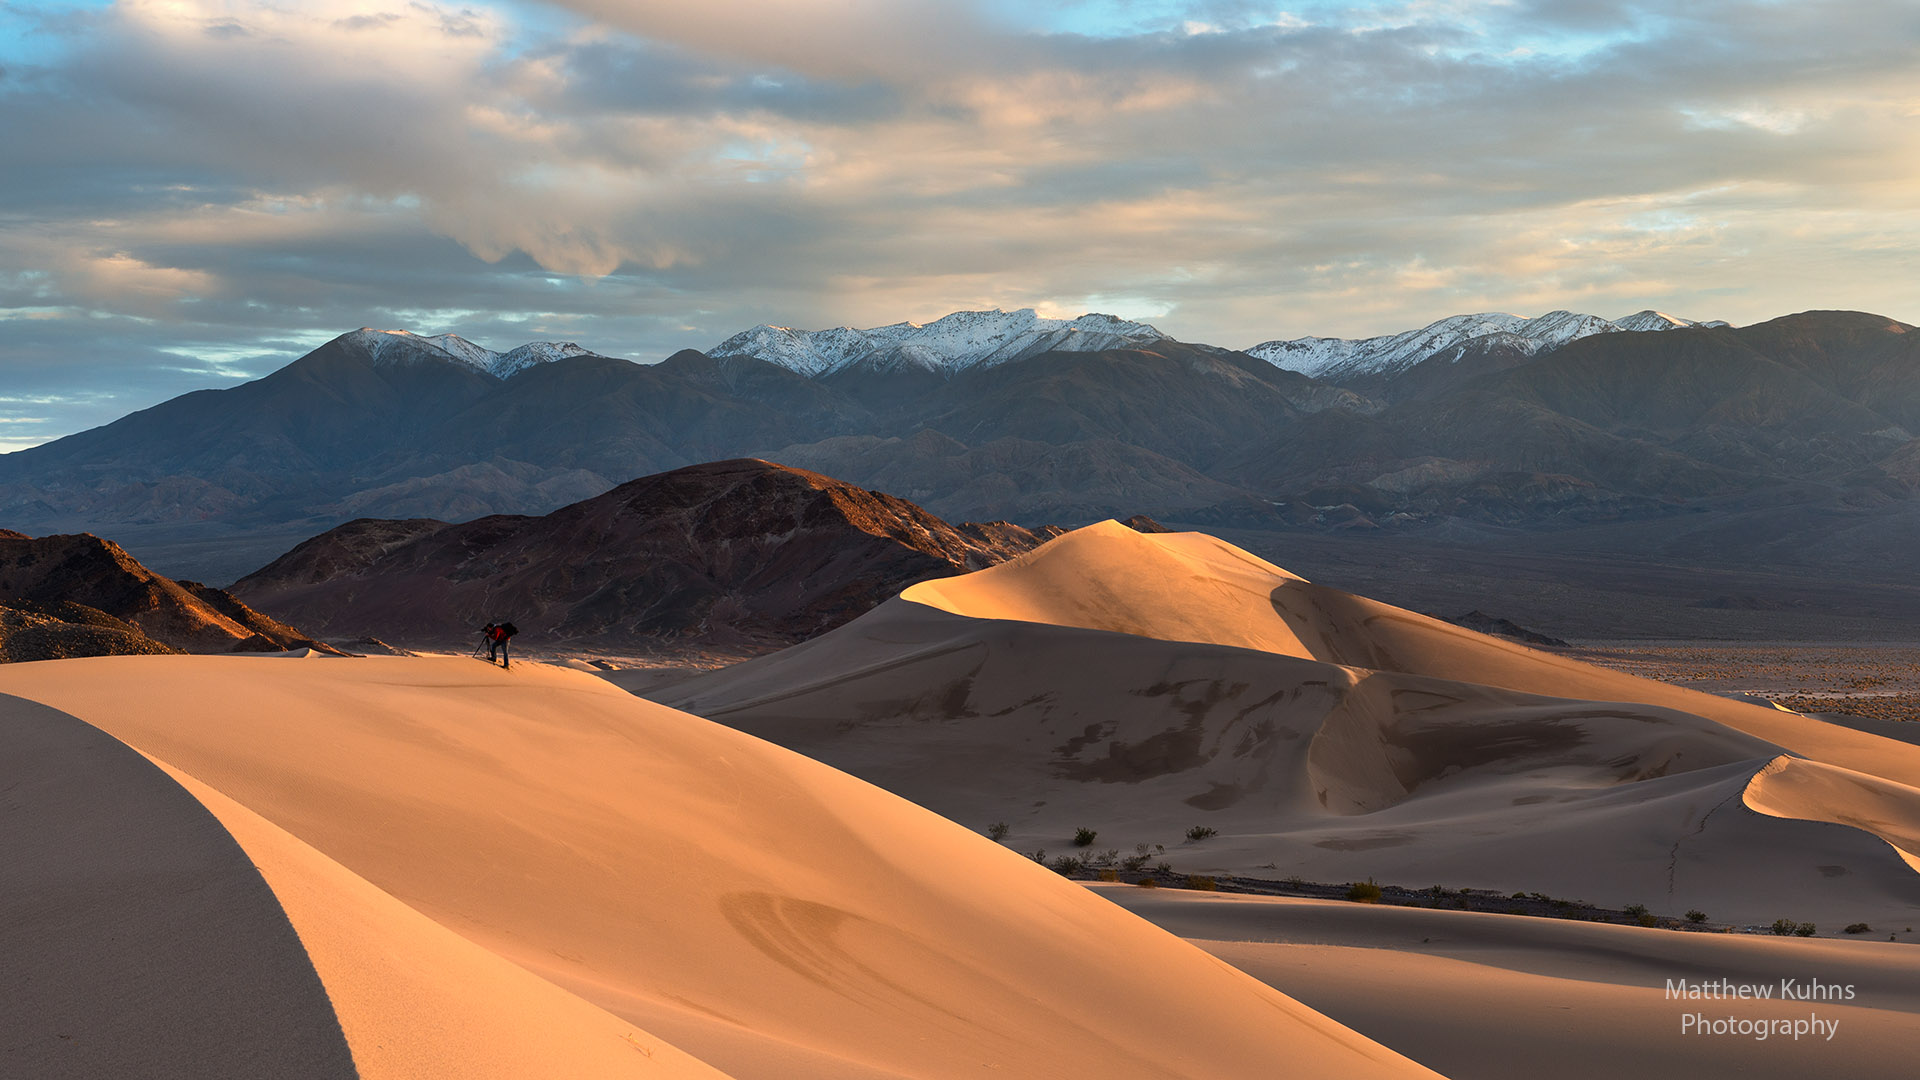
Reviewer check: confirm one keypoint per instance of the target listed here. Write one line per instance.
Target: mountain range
(952, 343)
(1451, 339)
(1508, 423)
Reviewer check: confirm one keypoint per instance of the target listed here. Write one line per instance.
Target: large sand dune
(1138, 684)
(432, 867)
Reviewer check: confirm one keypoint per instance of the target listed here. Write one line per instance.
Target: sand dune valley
(297, 864)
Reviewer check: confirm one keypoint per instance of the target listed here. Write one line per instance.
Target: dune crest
(762, 912)
(1106, 576)
(1791, 787)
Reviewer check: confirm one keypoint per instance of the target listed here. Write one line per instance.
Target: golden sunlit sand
(532, 873)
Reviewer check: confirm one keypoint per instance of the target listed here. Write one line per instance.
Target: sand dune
(1525, 998)
(533, 873)
(136, 939)
(1192, 587)
(1138, 684)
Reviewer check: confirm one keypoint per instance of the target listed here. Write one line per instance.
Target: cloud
(246, 179)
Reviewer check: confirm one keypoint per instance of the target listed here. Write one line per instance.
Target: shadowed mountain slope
(738, 553)
(106, 602)
(1817, 412)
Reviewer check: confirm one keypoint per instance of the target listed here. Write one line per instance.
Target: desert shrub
(1148, 883)
(1164, 869)
(998, 831)
(1038, 856)
(1200, 883)
(1859, 928)
(1067, 864)
(1636, 910)
(1201, 832)
(1105, 858)
(1083, 837)
(1783, 927)
(1696, 916)
(1133, 862)
(1519, 896)
(1648, 920)
(1365, 892)
(1109, 875)
(1805, 929)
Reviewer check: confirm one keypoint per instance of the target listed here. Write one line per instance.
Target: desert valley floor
(302, 865)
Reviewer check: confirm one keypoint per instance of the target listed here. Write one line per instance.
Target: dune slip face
(535, 862)
(136, 936)
(1138, 685)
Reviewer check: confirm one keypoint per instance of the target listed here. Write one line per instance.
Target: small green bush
(1109, 875)
(1083, 837)
(1133, 862)
(1201, 832)
(1783, 927)
(1859, 928)
(998, 830)
(1365, 892)
(1648, 920)
(1696, 916)
(1637, 911)
(1805, 929)
(1148, 883)
(1202, 884)
(1067, 864)
(1164, 869)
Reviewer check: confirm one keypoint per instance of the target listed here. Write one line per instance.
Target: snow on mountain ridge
(948, 344)
(392, 347)
(1392, 353)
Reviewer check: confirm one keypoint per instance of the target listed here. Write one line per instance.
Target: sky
(196, 192)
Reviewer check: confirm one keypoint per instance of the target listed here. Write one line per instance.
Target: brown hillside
(731, 554)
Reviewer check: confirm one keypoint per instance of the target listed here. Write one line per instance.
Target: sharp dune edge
(532, 873)
(1139, 683)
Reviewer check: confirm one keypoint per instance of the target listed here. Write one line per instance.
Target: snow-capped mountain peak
(1660, 320)
(951, 343)
(392, 347)
(1335, 358)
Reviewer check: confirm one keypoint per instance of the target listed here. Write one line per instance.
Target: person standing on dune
(499, 635)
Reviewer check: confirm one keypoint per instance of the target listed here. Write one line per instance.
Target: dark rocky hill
(732, 555)
(79, 595)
